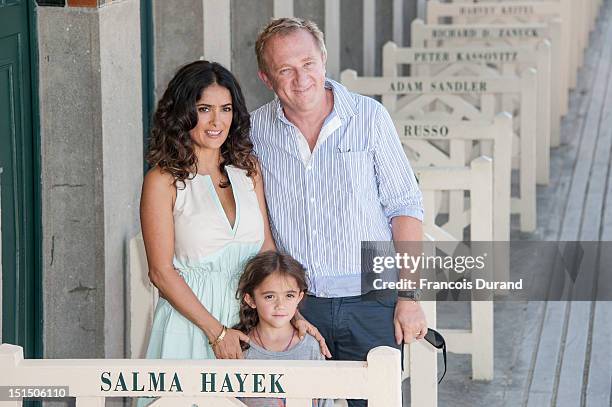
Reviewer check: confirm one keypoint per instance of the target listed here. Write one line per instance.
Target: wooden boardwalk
(556, 353)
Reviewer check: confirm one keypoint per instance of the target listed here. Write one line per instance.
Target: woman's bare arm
(261, 198)
(156, 207)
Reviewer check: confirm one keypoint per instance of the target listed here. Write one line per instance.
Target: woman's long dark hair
(255, 272)
(170, 145)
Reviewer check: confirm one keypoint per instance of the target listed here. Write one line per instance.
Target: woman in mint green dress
(203, 214)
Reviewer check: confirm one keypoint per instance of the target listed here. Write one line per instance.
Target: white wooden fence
(478, 180)
(491, 61)
(467, 98)
(513, 12)
(465, 35)
(418, 136)
(218, 35)
(582, 17)
(422, 359)
(213, 383)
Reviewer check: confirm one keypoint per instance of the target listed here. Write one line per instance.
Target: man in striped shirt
(335, 174)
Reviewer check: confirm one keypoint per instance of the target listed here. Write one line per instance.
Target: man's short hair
(284, 26)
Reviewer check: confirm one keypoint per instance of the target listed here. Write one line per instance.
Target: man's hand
(304, 327)
(409, 321)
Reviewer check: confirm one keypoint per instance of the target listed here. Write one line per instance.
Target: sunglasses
(436, 340)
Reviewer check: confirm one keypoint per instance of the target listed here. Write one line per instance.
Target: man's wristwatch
(409, 295)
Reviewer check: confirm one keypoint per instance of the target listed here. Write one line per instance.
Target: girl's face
(276, 300)
(214, 117)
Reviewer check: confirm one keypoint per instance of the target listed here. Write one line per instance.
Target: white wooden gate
(467, 98)
(418, 137)
(467, 35)
(508, 60)
(478, 180)
(209, 382)
(508, 12)
(582, 16)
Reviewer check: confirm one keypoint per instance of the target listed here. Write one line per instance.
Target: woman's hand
(304, 327)
(229, 346)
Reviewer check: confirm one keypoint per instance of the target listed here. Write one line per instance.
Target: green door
(17, 197)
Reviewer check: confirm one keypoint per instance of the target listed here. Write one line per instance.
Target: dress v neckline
(215, 197)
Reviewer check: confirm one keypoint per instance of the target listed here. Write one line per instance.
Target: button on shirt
(323, 204)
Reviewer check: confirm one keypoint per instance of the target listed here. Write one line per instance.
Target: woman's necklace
(264, 346)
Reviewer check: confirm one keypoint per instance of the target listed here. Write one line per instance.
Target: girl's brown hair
(255, 272)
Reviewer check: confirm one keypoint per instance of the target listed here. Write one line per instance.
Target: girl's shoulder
(309, 341)
(311, 345)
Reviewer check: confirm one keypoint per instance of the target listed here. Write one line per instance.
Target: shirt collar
(344, 103)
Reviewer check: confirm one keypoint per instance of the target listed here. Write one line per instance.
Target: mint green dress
(209, 254)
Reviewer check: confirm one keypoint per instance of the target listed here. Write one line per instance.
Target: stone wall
(91, 142)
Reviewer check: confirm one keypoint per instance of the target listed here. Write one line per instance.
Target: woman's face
(214, 117)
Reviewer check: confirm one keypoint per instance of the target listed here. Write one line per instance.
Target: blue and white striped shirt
(323, 206)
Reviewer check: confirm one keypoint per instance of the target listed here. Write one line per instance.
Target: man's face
(295, 71)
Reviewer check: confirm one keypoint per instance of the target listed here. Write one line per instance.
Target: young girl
(270, 290)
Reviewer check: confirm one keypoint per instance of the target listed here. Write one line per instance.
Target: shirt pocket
(356, 171)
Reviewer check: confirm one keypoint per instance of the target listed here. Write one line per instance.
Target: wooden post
(384, 372)
(417, 34)
(501, 195)
(576, 28)
(283, 8)
(482, 230)
(431, 15)
(528, 157)
(332, 37)
(557, 72)
(369, 36)
(572, 64)
(543, 132)
(217, 32)
(478, 342)
(389, 67)
(423, 365)
(11, 356)
(398, 21)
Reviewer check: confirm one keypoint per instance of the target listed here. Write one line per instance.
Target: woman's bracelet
(219, 338)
